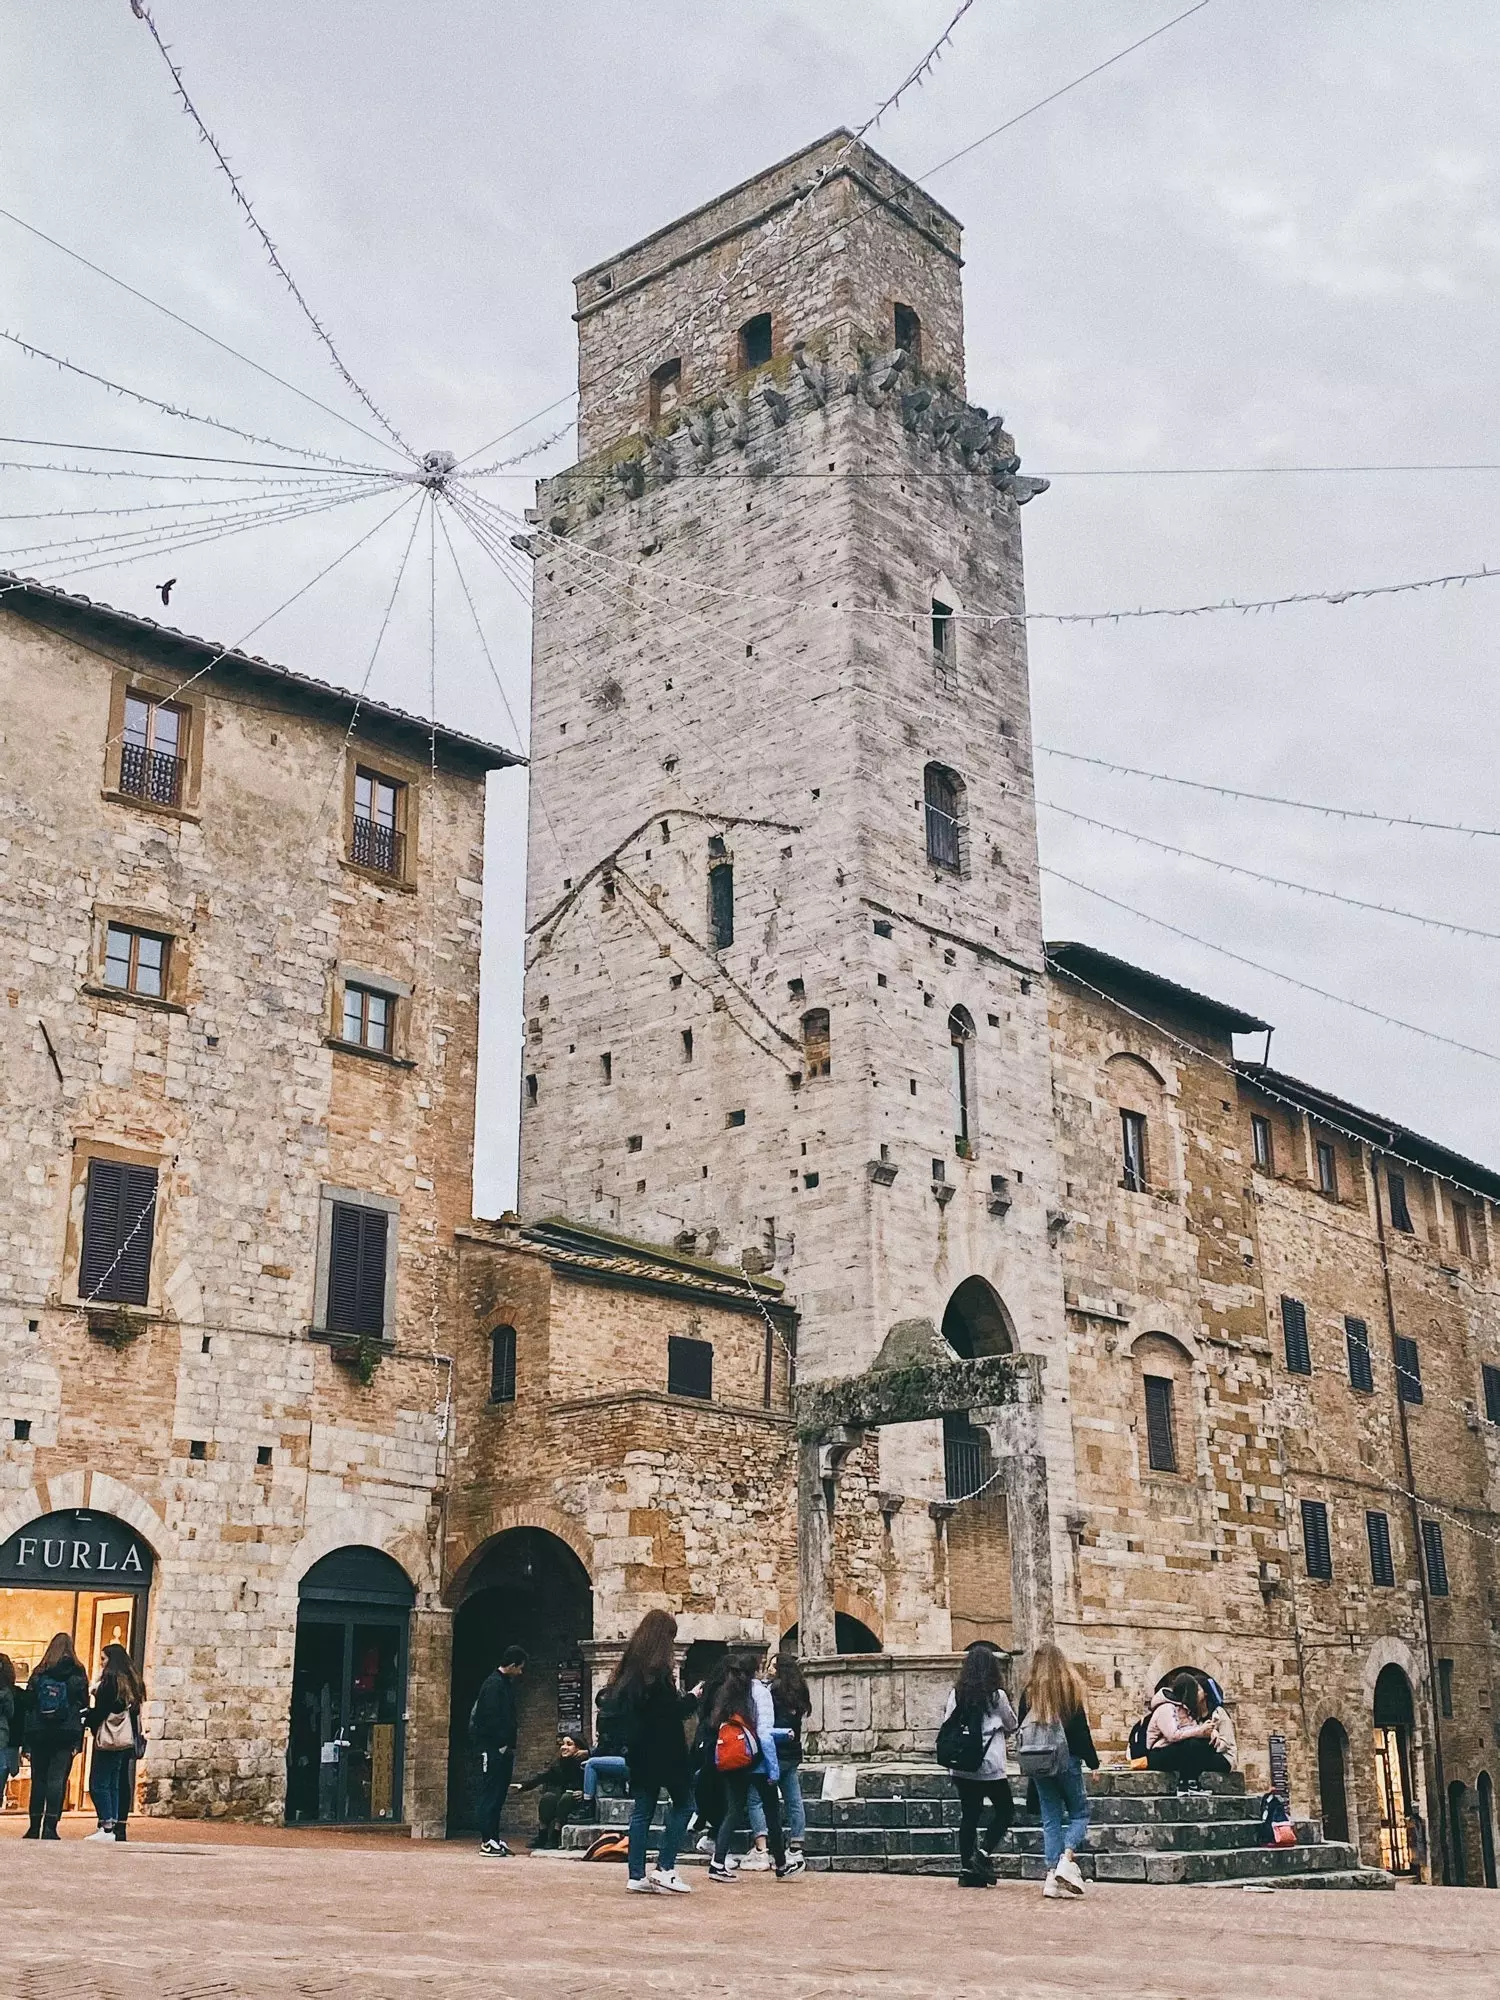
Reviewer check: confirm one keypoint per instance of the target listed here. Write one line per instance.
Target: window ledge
(397, 882)
(189, 813)
(146, 1000)
(343, 1048)
(385, 1342)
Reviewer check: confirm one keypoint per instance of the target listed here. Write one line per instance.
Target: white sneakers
(755, 1861)
(642, 1887)
(104, 1833)
(1049, 1888)
(669, 1881)
(1068, 1874)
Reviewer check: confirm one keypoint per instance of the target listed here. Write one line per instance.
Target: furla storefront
(80, 1572)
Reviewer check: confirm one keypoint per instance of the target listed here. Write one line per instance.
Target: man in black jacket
(492, 1735)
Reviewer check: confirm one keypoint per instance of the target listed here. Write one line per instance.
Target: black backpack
(1136, 1743)
(49, 1702)
(1273, 1811)
(963, 1740)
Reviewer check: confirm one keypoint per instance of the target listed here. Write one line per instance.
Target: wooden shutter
(1315, 1544)
(1382, 1568)
(1492, 1393)
(503, 1365)
(356, 1269)
(1437, 1560)
(1408, 1370)
(690, 1367)
(1294, 1333)
(119, 1228)
(1357, 1340)
(1161, 1441)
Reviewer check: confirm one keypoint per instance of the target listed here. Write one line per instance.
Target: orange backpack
(737, 1746)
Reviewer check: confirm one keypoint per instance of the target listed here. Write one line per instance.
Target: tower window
(136, 961)
(1134, 1157)
(909, 332)
(961, 1052)
(1161, 1438)
(1437, 1561)
(755, 341)
(690, 1367)
(1357, 1340)
(152, 763)
(1400, 1213)
(666, 389)
(817, 1053)
(1382, 1568)
(1260, 1142)
(1408, 1370)
(1294, 1336)
(687, 1045)
(503, 1365)
(1316, 1547)
(943, 631)
(1492, 1392)
(607, 1067)
(1463, 1235)
(1328, 1169)
(720, 898)
(531, 1090)
(943, 797)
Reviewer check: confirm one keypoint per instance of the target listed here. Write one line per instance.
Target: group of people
(46, 1719)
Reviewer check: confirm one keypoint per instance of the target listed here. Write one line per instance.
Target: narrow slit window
(817, 1043)
(1161, 1433)
(755, 341)
(1316, 1547)
(687, 1045)
(1492, 1392)
(1382, 1565)
(1134, 1157)
(606, 1067)
(1463, 1235)
(1361, 1367)
(1328, 1169)
(1294, 1336)
(1260, 1142)
(961, 1054)
(503, 1365)
(943, 632)
(720, 903)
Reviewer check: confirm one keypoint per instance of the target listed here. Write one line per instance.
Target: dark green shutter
(1437, 1560)
(1161, 1444)
(1357, 1340)
(1315, 1542)
(356, 1269)
(1408, 1370)
(1382, 1568)
(690, 1367)
(1294, 1334)
(119, 1229)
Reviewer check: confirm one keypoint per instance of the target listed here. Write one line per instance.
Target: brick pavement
(185, 1913)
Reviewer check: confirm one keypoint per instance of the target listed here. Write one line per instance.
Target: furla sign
(75, 1550)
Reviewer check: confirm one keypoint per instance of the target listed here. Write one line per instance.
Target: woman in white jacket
(979, 1693)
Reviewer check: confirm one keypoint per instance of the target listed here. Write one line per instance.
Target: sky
(1268, 238)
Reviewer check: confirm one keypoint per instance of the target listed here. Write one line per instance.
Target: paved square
(187, 1913)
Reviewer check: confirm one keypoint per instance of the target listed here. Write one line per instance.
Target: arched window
(943, 797)
(909, 332)
(965, 1105)
(503, 1364)
(1333, 1787)
(976, 1323)
(817, 1051)
(1166, 1380)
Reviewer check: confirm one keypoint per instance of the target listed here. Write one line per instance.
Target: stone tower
(785, 998)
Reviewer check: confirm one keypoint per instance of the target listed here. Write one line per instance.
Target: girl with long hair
(1055, 1698)
(646, 1710)
(57, 1695)
(791, 1704)
(745, 1700)
(979, 1694)
(1180, 1733)
(115, 1719)
(10, 1754)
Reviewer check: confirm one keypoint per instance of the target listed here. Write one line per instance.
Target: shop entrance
(77, 1572)
(1393, 1769)
(346, 1747)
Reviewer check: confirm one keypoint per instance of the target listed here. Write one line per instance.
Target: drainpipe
(1440, 1806)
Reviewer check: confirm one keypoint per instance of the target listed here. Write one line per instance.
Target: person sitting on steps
(1180, 1733)
(561, 1788)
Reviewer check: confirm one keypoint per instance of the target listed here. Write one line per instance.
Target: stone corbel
(812, 375)
(890, 1505)
(834, 1449)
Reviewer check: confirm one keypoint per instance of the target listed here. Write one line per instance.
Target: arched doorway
(1393, 1768)
(1458, 1869)
(1486, 1790)
(346, 1746)
(850, 1635)
(78, 1572)
(976, 1323)
(1333, 1779)
(524, 1587)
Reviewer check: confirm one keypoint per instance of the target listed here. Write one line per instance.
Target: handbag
(116, 1732)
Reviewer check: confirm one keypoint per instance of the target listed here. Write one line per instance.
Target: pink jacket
(1169, 1722)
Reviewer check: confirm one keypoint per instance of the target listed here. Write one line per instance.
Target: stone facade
(209, 1410)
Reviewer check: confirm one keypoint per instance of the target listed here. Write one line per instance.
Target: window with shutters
(1328, 1169)
(1382, 1567)
(943, 804)
(1357, 1341)
(1316, 1547)
(1135, 1158)
(1260, 1143)
(1408, 1370)
(1463, 1233)
(1435, 1558)
(1161, 1433)
(356, 1265)
(503, 1364)
(1294, 1336)
(1396, 1192)
(119, 1232)
(1492, 1392)
(690, 1367)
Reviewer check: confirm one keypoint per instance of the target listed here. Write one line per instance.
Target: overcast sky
(1268, 238)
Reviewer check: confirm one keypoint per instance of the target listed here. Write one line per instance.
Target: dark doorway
(849, 1636)
(1393, 1768)
(525, 1588)
(346, 1747)
(1458, 1869)
(1333, 1789)
(1486, 1791)
(702, 1656)
(976, 1323)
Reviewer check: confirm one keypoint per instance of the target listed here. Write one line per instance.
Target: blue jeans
(1060, 1796)
(791, 1799)
(105, 1775)
(600, 1767)
(671, 1838)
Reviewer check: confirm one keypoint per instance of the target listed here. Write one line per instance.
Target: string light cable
(201, 513)
(36, 353)
(1272, 881)
(1274, 799)
(1322, 993)
(194, 458)
(143, 13)
(223, 346)
(263, 489)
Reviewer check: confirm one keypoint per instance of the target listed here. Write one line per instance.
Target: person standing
(56, 1697)
(10, 1725)
(980, 1701)
(115, 1719)
(791, 1704)
(648, 1710)
(744, 1722)
(492, 1733)
(1055, 1743)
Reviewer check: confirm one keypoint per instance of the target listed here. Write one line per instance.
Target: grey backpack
(1042, 1749)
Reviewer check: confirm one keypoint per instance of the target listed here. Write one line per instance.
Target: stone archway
(976, 1323)
(524, 1586)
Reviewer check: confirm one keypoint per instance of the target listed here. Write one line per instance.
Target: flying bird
(166, 588)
